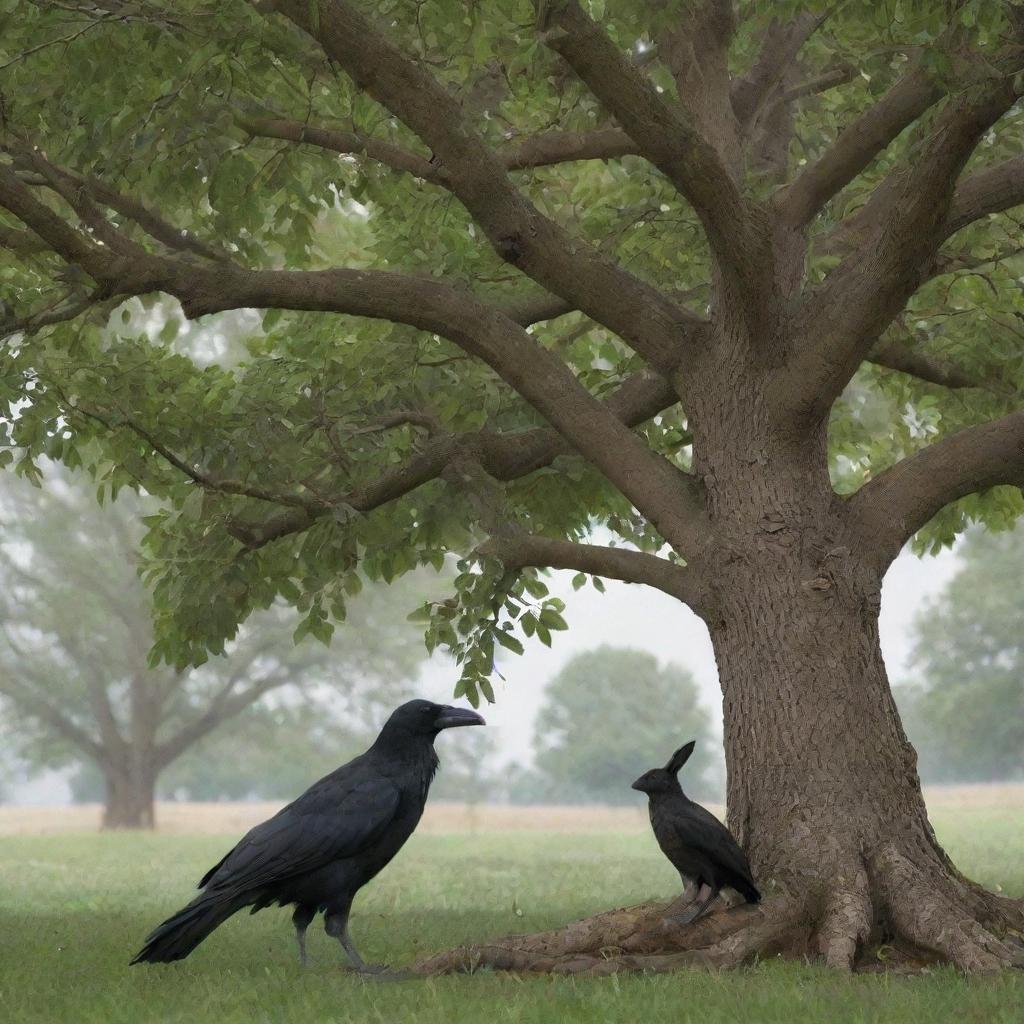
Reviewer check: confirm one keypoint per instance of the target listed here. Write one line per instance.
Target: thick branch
(518, 550)
(894, 505)
(648, 480)
(890, 354)
(559, 147)
(541, 150)
(696, 52)
(779, 48)
(345, 143)
(24, 243)
(61, 237)
(839, 75)
(857, 146)
(904, 224)
(985, 192)
(663, 132)
(568, 267)
(503, 456)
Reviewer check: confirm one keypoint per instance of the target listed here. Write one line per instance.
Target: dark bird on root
(321, 849)
(699, 846)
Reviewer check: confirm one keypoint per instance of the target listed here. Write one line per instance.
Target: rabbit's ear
(680, 757)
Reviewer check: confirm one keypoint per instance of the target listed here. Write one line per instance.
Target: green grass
(74, 908)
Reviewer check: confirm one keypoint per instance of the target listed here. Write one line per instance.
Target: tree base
(892, 916)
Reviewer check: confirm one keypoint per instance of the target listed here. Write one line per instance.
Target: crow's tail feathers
(181, 933)
(747, 890)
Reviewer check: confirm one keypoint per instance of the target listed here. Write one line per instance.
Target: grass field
(75, 905)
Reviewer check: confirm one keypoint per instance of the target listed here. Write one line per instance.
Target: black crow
(699, 846)
(318, 852)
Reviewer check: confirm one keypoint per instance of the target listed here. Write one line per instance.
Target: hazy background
(624, 616)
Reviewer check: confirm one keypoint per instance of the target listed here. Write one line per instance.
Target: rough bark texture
(823, 788)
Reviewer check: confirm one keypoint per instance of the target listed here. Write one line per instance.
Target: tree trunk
(129, 799)
(823, 789)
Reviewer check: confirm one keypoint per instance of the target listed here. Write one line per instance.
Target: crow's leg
(336, 925)
(694, 913)
(691, 890)
(301, 919)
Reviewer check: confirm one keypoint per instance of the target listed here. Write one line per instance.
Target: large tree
(737, 283)
(78, 685)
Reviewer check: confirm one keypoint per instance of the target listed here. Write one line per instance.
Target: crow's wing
(701, 830)
(306, 835)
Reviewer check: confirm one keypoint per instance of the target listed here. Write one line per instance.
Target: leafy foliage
(295, 408)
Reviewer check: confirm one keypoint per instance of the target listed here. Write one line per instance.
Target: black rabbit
(699, 846)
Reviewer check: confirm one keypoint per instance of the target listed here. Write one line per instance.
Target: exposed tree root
(636, 938)
(847, 919)
(916, 906)
(931, 913)
(997, 910)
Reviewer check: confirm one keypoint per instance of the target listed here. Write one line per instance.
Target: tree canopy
(385, 165)
(721, 298)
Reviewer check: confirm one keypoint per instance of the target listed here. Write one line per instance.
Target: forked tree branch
(569, 267)
(905, 220)
(696, 52)
(780, 46)
(504, 457)
(219, 711)
(538, 375)
(857, 146)
(665, 136)
(893, 506)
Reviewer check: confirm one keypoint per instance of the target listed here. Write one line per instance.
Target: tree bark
(130, 798)
(823, 788)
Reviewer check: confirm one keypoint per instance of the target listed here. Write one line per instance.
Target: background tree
(78, 685)
(967, 707)
(608, 716)
(613, 265)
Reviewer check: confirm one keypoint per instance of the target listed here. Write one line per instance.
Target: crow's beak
(636, 785)
(451, 718)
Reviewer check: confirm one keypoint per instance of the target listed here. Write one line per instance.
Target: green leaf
(550, 618)
(508, 641)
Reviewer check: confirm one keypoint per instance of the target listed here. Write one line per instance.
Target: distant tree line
(964, 707)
